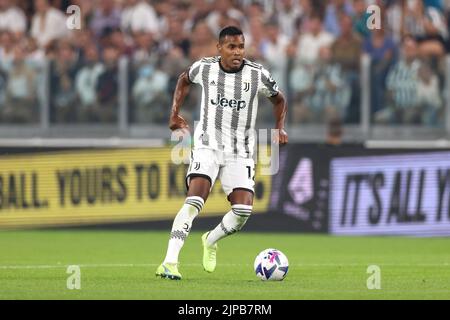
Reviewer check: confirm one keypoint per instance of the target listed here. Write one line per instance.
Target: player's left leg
(237, 181)
(235, 219)
(232, 222)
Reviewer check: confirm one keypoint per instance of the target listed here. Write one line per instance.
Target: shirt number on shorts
(249, 168)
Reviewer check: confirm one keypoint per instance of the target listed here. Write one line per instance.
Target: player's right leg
(201, 176)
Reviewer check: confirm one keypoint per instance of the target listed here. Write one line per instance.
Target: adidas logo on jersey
(212, 83)
(232, 103)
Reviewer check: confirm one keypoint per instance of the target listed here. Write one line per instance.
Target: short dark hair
(229, 31)
(335, 127)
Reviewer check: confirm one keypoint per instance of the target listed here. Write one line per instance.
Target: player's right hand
(177, 122)
(281, 137)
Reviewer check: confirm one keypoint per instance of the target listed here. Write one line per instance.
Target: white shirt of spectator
(308, 46)
(402, 80)
(13, 19)
(86, 82)
(416, 28)
(140, 17)
(147, 87)
(6, 59)
(54, 27)
(275, 55)
(394, 21)
(429, 93)
(438, 21)
(287, 20)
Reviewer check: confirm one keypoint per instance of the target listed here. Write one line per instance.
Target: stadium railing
(124, 125)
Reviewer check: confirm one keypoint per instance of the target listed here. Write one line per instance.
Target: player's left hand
(281, 137)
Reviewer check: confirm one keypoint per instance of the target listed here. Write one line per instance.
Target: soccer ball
(271, 264)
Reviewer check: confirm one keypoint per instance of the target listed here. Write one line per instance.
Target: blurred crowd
(312, 48)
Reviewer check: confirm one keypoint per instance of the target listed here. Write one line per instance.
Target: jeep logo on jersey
(232, 103)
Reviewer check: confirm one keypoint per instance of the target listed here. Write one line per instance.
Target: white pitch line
(105, 265)
(131, 265)
(119, 265)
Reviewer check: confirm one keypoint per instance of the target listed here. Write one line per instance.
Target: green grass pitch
(121, 265)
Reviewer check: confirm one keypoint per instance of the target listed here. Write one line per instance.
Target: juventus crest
(246, 86)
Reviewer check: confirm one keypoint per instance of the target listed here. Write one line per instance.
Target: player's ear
(219, 47)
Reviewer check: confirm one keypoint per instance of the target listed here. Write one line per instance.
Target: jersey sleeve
(194, 72)
(268, 85)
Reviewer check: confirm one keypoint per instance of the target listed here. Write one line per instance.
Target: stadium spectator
(254, 11)
(150, 96)
(107, 16)
(197, 12)
(48, 24)
(267, 6)
(62, 83)
(428, 95)
(402, 103)
(346, 51)
(254, 38)
(320, 92)
(308, 9)
(51, 51)
(223, 9)
(175, 36)
(427, 25)
(334, 132)
(333, 14)
(12, 18)
(301, 86)
(307, 47)
(273, 50)
(108, 87)
(360, 18)
(287, 15)
(82, 39)
(163, 10)
(184, 15)
(118, 39)
(139, 15)
(35, 56)
(86, 83)
(383, 52)
(346, 48)
(203, 44)
(21, 91)
(173, 64)
(393, 14)
(145, 47)
(7, 42)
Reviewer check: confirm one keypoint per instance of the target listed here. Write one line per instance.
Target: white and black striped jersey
(229, 104)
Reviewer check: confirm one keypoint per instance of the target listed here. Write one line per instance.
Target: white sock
(182, 226)
(232, 222)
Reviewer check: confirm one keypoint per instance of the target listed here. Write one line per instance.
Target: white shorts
(233, 171)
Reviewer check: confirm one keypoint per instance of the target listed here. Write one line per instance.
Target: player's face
(232, 51)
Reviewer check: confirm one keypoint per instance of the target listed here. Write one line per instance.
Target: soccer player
(223, 142)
